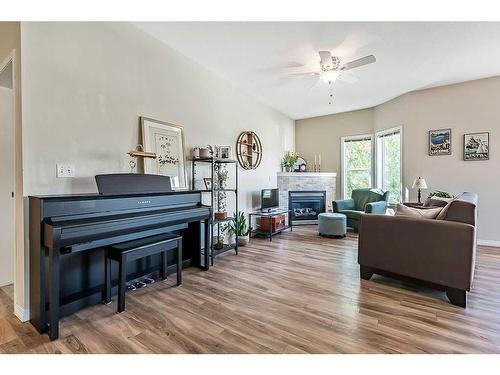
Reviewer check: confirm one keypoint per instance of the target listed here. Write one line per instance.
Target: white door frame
(377, 151)
(11, 59)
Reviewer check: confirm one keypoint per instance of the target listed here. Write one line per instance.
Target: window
(388, 163)
(356, 163)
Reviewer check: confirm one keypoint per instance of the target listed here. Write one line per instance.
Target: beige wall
(465, 108)
(10, 40)
(85, 84)
(321, 135)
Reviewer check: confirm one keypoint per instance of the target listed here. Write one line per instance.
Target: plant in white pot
(238, 227)
(289, 161)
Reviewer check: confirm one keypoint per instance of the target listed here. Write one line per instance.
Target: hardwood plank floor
(300, 293)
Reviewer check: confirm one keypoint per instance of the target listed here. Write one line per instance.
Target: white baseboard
(488, 243)
(22, 314)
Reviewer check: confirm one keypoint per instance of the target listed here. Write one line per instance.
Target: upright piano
(68, 235)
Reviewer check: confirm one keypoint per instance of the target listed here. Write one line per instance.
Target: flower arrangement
(289, 160)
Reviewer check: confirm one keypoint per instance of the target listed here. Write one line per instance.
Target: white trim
(342, 165)
(22, 314)
(376, 168)
(6, 61)
(491, 243)
(307, 174)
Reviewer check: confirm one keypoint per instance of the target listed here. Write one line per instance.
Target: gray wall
(85, 84)
(321, 135)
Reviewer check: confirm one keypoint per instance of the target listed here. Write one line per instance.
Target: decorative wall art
(440, 142)
(249, 150)
(167, 142)
(476, 146)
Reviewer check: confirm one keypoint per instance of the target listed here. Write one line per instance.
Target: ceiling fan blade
(326, 57)
(316, 81)
(303, 74)
(349, 78)
(359, 62)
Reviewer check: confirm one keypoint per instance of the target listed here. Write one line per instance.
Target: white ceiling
(410, 56)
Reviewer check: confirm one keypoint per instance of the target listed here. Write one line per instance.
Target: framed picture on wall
(440, 142)
(167, 142)
(224, 152)
(476, 146)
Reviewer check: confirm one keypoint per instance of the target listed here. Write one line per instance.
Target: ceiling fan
(331, 67)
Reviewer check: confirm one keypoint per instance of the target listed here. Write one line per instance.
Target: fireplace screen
(306, 205)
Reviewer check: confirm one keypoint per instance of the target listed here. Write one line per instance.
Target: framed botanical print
(476, 146)
(167, 142)
(440, 142)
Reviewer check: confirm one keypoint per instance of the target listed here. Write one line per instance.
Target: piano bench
(137, 249)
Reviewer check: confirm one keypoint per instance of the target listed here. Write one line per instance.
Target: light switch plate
(65, 170)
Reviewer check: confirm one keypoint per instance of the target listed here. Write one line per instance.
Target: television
(269, 199)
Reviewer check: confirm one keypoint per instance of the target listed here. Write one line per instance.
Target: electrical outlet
(65, 170)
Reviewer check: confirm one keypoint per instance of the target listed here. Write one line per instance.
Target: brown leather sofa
(440, 252)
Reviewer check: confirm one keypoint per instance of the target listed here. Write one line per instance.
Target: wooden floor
(299, 294)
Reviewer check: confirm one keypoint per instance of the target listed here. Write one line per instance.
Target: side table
(270, 215)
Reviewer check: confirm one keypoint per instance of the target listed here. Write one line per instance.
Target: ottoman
(332, 224)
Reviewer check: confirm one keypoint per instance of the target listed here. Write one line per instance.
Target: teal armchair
(369, 201)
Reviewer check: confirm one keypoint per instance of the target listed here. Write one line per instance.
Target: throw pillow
(436, 202)
(417, 213)
(444, 211)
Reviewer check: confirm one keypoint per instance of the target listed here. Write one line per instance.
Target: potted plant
(222, 175)
(238, 227)
(441, 194)
(289, 160)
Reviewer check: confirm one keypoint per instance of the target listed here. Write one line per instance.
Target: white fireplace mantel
(307, 174)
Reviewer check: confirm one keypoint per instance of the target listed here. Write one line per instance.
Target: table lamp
(419, 184)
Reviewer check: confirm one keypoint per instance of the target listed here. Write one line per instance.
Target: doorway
(7, 202)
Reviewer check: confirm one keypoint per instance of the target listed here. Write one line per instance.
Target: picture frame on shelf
(476, 146)
(440, 142)
(224, 152)
(208, 183)
(166, 140)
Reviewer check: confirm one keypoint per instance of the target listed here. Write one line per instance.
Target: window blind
(395, 132)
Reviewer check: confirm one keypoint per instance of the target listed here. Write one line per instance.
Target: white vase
(243, 240)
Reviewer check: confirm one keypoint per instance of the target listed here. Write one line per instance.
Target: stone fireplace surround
(306, 181)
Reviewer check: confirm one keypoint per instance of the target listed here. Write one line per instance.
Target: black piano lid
(132, 183)
(84, 196)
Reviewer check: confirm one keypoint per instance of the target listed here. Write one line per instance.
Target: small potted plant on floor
(238, 227)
